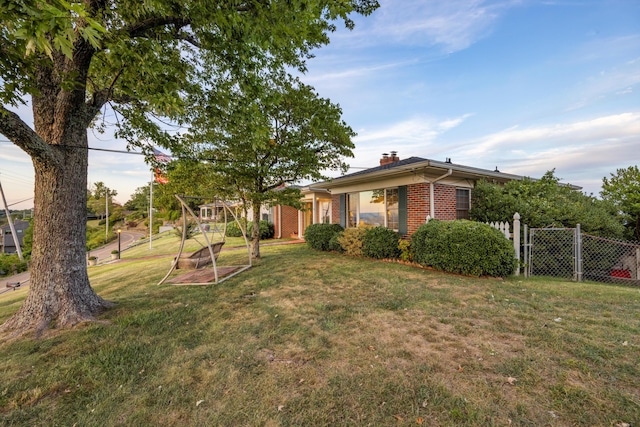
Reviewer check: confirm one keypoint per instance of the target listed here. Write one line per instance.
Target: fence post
(578, 253)
(527, 251)
(516, 240)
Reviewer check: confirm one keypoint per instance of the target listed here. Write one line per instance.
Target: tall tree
(73, 58)
(272, 132)
(623, 190)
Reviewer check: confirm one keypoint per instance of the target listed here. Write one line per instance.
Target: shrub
(318, 236)
(351, 240)
(404, 246)
(233, 230)
(463, 247)
(192, 228)
(334, 243)
(267, 230)
(380, 242)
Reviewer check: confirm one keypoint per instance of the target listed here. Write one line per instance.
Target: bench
(13, 285)
(200, 258)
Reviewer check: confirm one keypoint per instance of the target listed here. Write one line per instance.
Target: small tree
(274, 132)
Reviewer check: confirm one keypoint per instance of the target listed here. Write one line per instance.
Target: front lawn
(308, 338)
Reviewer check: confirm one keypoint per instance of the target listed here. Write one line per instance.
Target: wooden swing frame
(199, 257)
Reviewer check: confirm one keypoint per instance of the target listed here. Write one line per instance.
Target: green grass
(310, 338)
(168, 243)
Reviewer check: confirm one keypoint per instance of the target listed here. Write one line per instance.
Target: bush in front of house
(463, 247)
(267, 230)
(334, 243)
(380, 243)
(318, 236)
(233, 230)
(404, 247)
(351, 240)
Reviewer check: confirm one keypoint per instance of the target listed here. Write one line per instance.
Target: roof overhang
(425, 168)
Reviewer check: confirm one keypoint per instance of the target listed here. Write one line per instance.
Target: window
(325, 205)
(374, 208)
(352, 210)
(393, 221)
(463, 203)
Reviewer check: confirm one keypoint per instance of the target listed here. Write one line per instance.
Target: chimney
(386, 159)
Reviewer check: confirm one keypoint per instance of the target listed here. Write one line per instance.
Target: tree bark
(60, 294)
(255, 231)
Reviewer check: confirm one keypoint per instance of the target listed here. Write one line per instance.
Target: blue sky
(526, 86)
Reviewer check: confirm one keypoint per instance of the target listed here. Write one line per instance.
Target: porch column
(314, 209)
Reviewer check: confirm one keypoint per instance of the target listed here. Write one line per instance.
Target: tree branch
(18, 132)
(101, 97)
(140, 29)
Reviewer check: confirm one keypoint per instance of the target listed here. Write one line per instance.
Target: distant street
(103, 253)
(127, 237)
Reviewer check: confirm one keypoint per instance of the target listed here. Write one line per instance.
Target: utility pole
(11, 227)
(106, 231)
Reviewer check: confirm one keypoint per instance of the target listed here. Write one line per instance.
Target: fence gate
(567, 253)
(552, 252)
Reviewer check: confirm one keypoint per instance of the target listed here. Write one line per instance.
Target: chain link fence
(567, 253)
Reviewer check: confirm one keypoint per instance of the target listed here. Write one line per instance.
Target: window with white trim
(463, 203)
(373, 207)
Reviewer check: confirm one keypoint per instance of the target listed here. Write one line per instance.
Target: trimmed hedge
(380, 243)
(318, 236)
(463, 247)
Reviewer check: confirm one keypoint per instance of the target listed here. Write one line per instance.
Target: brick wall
(445, 198)
(417, 206)
(335, 209)
(289, 221)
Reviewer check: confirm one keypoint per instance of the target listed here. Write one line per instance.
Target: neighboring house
(7, 242)
(399, 194)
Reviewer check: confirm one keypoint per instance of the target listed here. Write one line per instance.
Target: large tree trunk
(60, 294)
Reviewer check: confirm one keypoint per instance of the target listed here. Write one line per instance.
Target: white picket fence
(511, 234)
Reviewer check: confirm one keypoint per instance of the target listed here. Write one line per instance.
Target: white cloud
(454, 25)
(582, 152)
(600, 129)
(416, 136)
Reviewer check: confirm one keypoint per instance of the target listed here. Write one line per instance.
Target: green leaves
(544, 203)
(46, 27)
(623, 190)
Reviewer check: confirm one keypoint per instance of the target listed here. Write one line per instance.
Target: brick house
(399, 194)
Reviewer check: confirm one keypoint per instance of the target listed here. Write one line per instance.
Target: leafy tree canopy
(272, 132)
(143, 60)
(544, 203)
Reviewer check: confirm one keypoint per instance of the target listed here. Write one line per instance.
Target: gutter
(432, 207)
